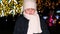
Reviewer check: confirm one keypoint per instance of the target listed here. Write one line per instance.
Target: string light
(8, 5)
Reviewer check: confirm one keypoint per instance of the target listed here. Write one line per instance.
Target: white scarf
(34, 23)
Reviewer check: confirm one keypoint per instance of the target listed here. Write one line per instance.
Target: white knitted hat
(29, 4)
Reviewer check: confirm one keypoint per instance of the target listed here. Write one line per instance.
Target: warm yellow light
(59, 22)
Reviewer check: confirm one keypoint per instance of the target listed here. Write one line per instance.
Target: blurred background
(49, 10)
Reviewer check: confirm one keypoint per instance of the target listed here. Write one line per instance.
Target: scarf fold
(34, 23)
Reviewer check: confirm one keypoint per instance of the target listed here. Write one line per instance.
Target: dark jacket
(21, 26)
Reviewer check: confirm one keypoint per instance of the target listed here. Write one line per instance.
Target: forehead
(31, 8)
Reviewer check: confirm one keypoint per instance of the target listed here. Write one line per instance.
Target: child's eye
(32, 9)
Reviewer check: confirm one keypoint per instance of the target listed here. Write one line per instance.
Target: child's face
(30, 11)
